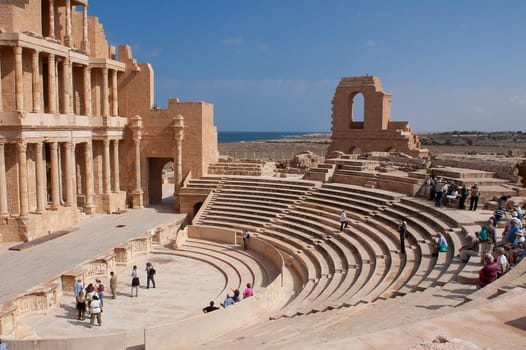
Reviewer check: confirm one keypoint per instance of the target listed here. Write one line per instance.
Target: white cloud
(232, 41)
(518, 99)
(370, 43)
(479, 109)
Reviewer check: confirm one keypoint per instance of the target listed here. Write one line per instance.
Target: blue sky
(274, 65)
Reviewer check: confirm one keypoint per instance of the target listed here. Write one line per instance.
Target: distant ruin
(376, 133)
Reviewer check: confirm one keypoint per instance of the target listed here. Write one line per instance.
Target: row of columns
(67, 82)
(54, 162)
(68, 38)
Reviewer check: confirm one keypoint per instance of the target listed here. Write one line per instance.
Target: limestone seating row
(387, 195)
(358, 198)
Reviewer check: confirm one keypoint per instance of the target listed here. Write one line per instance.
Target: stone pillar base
(137, 199)
(90, 210)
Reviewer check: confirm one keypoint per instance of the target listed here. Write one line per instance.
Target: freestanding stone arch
(376, 132)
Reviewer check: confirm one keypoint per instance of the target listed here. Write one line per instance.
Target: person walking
(81, 305)
(343, 220)
(402, 229)
(150, 275)
(135, 281)
(113, 284)
(474, 198)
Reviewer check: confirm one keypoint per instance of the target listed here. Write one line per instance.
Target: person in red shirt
(488, 273)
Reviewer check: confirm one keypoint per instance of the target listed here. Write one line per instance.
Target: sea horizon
(243, 136)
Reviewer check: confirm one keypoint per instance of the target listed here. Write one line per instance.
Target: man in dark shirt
(210, 308)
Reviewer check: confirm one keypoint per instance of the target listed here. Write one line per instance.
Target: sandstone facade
(376, 132)
(78, 129)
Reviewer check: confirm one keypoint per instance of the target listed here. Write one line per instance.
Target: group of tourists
(444, 192)
(497, 255)
(90, 300)
(231, 299)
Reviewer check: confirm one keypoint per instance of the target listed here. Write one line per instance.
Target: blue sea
(238, 136)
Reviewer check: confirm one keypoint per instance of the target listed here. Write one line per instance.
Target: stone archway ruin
(376, 132)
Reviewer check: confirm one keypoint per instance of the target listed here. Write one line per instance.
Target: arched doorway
(356, 110)
(160, 182)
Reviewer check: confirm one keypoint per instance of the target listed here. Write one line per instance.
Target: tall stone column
(22, 179)
(52, 19)
(87, 90)
(105, 95)
(69, 174)
(67, 84)
(85, 41)
(68, 40)
(40, 178)
(73, 174)
(137, 194)
(114, 94)
(19, 79)
(4, 208)
(52, 86)
(55, 181)
(1, 104)
(178, 126)
(116, 174)
(36, 81)
(89, 207)
(106, 168)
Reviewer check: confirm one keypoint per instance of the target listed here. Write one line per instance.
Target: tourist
(440, 245)
(100, 291)
(471, 248)
(509, 235)
(95, 311)
(439, 189)
(451, 196)
(90, 293)
(135, 281)
(81, 305)
(474, 197)
(343, 220)
(463, 196)
(246, 237)
(432, 191)
(210, 308)
(503, 265)
(499, 214)
(150, 275)
(492, 233)
(113, 285)
(78, 287)
(427, 185)
(402, 229)
(518, 209)
(486, 246)
(488, 273)
(228, 301)
(236, 296)
(3, 346)
(248, 292)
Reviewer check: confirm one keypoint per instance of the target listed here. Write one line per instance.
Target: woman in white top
(135, 281)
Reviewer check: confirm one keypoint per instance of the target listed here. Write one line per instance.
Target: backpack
(152, 271)
(483, 234)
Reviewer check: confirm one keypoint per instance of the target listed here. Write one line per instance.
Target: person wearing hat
(474, 197)
(471, 248)
(518, 209)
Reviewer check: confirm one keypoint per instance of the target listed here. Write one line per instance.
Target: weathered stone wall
(504, 168)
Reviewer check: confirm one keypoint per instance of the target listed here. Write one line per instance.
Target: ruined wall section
(504, 168)
(21, 16)
(98, 45)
